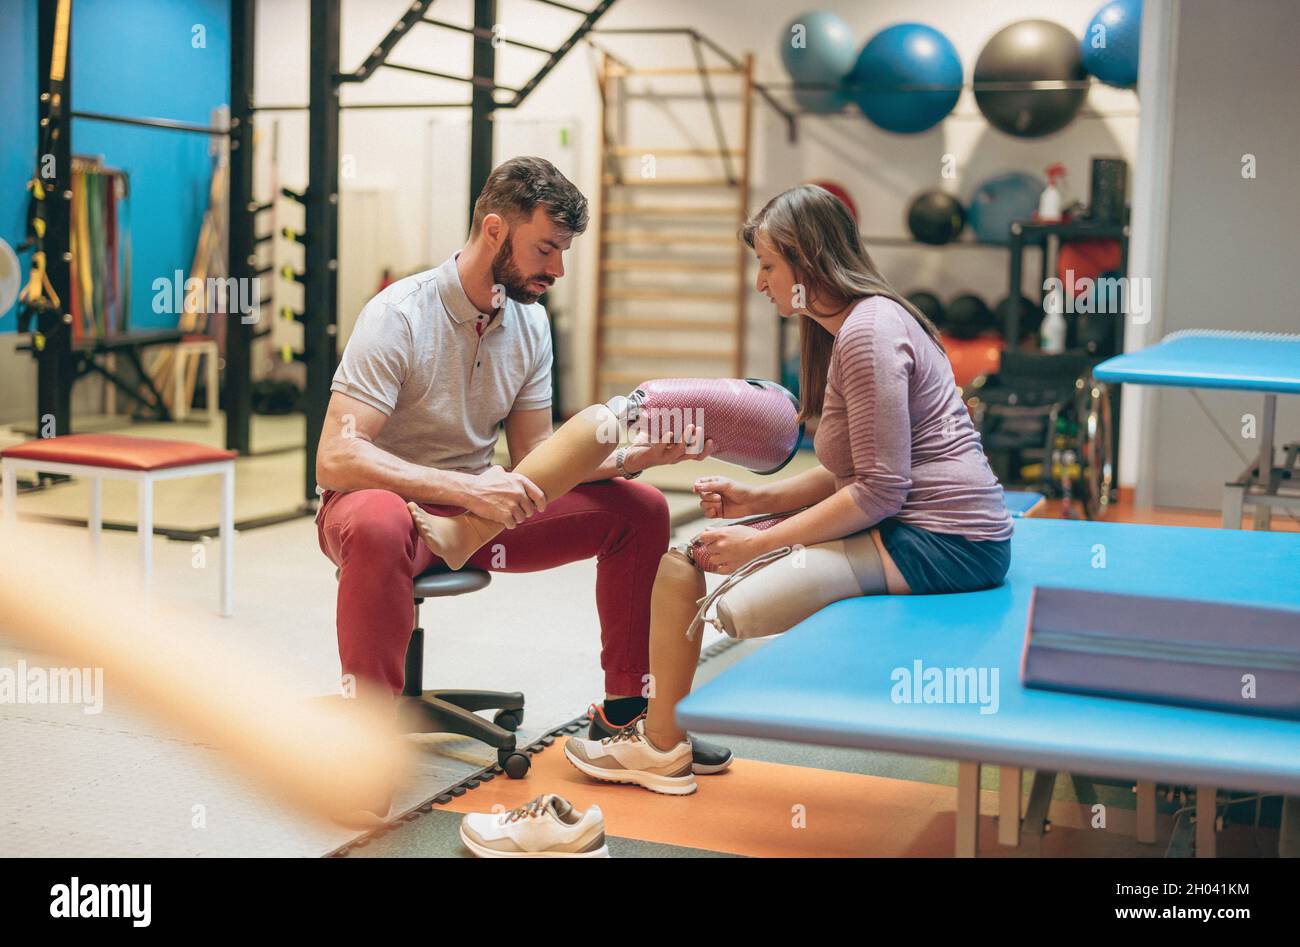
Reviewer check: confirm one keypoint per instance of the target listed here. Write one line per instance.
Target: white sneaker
(547, 827)
(628, 757)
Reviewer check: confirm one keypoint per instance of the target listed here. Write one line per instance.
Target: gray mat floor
(120, 783)
(437, 835)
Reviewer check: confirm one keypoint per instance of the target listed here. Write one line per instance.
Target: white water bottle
(1049, 202)
(1051, 337)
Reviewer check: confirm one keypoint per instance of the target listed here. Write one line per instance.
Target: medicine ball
(841, 193)
(935, 217)
(910, 58)
(968, 316)
(1024, 52)
(1031, 316)
(999, 201)
(1110, 44)
(929, 304)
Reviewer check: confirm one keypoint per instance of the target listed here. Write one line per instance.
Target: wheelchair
(1045, 423)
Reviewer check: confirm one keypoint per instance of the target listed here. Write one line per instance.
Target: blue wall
(17, 124)
(129, 57)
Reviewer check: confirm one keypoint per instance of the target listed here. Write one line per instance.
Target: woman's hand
(645, 453)
(724, 498)
(730, 547)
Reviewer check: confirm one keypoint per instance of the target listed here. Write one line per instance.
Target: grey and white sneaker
(628, 757)
(547, 827)
(709, 757)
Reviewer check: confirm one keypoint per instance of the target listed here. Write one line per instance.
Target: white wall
(1231, 242)
(419, 157)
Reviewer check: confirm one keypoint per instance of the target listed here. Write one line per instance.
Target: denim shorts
(941, 562)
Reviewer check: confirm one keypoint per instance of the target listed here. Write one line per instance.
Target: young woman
(903, 501)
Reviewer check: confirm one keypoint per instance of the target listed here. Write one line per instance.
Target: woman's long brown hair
(814, 233)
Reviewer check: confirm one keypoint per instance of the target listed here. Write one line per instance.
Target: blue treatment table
(1238, 361)
(828, 680)
(1022, 502)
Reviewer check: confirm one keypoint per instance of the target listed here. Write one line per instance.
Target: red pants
(370, 536)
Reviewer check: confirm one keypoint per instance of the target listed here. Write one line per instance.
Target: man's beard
(506, 274)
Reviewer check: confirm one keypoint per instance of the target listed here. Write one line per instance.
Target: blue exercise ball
(905, 57)
(1000, 200)
(818, 47)
(1111, 43)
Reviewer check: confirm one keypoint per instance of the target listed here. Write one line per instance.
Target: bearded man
(435, 364)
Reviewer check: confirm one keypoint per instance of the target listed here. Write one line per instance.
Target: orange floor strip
(1125, 510)
(769, 809)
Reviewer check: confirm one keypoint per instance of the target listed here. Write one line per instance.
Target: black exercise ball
(1031, 316)
(968, 316)
(929, 304)
(935, 217)
(1030, 51)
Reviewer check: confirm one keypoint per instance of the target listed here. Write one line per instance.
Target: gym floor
(214, 212)
(118, 783)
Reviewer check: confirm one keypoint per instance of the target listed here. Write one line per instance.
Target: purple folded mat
(1210, 655)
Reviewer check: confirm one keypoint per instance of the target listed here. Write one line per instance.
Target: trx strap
(39, 294)
(748, 568)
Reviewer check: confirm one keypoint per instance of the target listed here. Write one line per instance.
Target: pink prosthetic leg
(753, 423)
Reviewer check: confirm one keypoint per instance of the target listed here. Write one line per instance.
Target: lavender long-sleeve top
(895, 433)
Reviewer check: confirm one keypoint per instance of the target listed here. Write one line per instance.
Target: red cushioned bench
(120, 457)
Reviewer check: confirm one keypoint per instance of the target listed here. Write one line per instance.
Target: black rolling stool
(452, 711)
(444, 711)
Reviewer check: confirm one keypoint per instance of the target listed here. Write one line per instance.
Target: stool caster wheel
(514, 763)
(508, 719)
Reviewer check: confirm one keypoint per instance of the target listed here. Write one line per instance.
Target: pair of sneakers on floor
(625, 754)
(552, 827)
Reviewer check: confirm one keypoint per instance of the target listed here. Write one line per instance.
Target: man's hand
(722, 497)
(645, 453)
(503, 497)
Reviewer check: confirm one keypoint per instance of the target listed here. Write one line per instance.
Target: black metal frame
(320, 280)
(167, 124)
(320, 272)
(58, 365)
(55, 368)
(243, 241)
(482, 102)
(1079, 228)
(1023, 232)
(85, 355)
